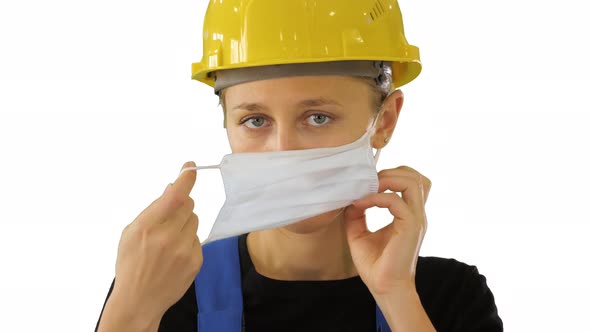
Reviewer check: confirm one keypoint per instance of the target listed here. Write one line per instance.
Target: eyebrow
(252, 107)
(315, 102)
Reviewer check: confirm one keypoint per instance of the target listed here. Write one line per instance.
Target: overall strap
(381, 322)
(218, 287)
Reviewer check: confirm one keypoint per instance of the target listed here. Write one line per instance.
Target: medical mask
(266, 190)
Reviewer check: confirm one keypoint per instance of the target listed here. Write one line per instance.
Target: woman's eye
(255, 122)
(318, 119)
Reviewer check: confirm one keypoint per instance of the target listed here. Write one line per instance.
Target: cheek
(241, 142)
(235, 143)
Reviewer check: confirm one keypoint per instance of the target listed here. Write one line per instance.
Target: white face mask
(266, 190)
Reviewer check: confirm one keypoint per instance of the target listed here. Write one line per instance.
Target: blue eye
(318, 119)
(254, 122)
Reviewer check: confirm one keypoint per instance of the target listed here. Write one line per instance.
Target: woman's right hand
(158, 259)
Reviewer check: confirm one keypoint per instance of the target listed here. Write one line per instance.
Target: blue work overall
(218, 287)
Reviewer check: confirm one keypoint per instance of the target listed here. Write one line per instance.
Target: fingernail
(188, 164)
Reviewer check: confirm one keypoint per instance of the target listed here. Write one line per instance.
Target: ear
(387, 119)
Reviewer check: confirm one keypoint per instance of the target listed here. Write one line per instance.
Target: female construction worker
(308, 89)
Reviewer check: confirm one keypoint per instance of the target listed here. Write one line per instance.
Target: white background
(98, 114)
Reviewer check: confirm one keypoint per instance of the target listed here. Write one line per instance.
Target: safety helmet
(243, 34)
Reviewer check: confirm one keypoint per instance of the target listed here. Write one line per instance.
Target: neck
(319, 255)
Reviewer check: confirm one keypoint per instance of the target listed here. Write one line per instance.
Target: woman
(296, 76)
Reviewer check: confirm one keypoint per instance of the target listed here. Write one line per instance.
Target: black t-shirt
(454, 295)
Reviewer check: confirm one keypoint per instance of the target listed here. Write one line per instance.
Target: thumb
(186, 179)
(355, 223)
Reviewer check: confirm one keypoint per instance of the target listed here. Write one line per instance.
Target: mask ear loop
(198, 168)
(376, 156)
(372, 131)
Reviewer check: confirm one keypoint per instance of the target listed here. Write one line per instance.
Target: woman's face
(295, 113)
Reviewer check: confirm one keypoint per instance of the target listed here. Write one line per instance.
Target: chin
(314, 224)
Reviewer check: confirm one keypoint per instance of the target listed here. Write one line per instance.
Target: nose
(284, 139)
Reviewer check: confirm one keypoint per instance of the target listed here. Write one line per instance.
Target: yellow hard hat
(253, 33)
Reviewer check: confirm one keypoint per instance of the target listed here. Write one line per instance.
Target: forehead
(341, 90)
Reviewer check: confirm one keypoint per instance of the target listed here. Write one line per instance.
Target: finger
(355, 223)
(178, 218)
(191, 225)
(400, 170)
(410, 172)
(196, 241)
(197, 254)
(353, 212)
(189, 232)
(395, 204)
(174, 197)
(162, 208)
(409, 187)
(186, 179)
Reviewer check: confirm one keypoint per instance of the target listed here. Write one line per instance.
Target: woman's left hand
(386, 259)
